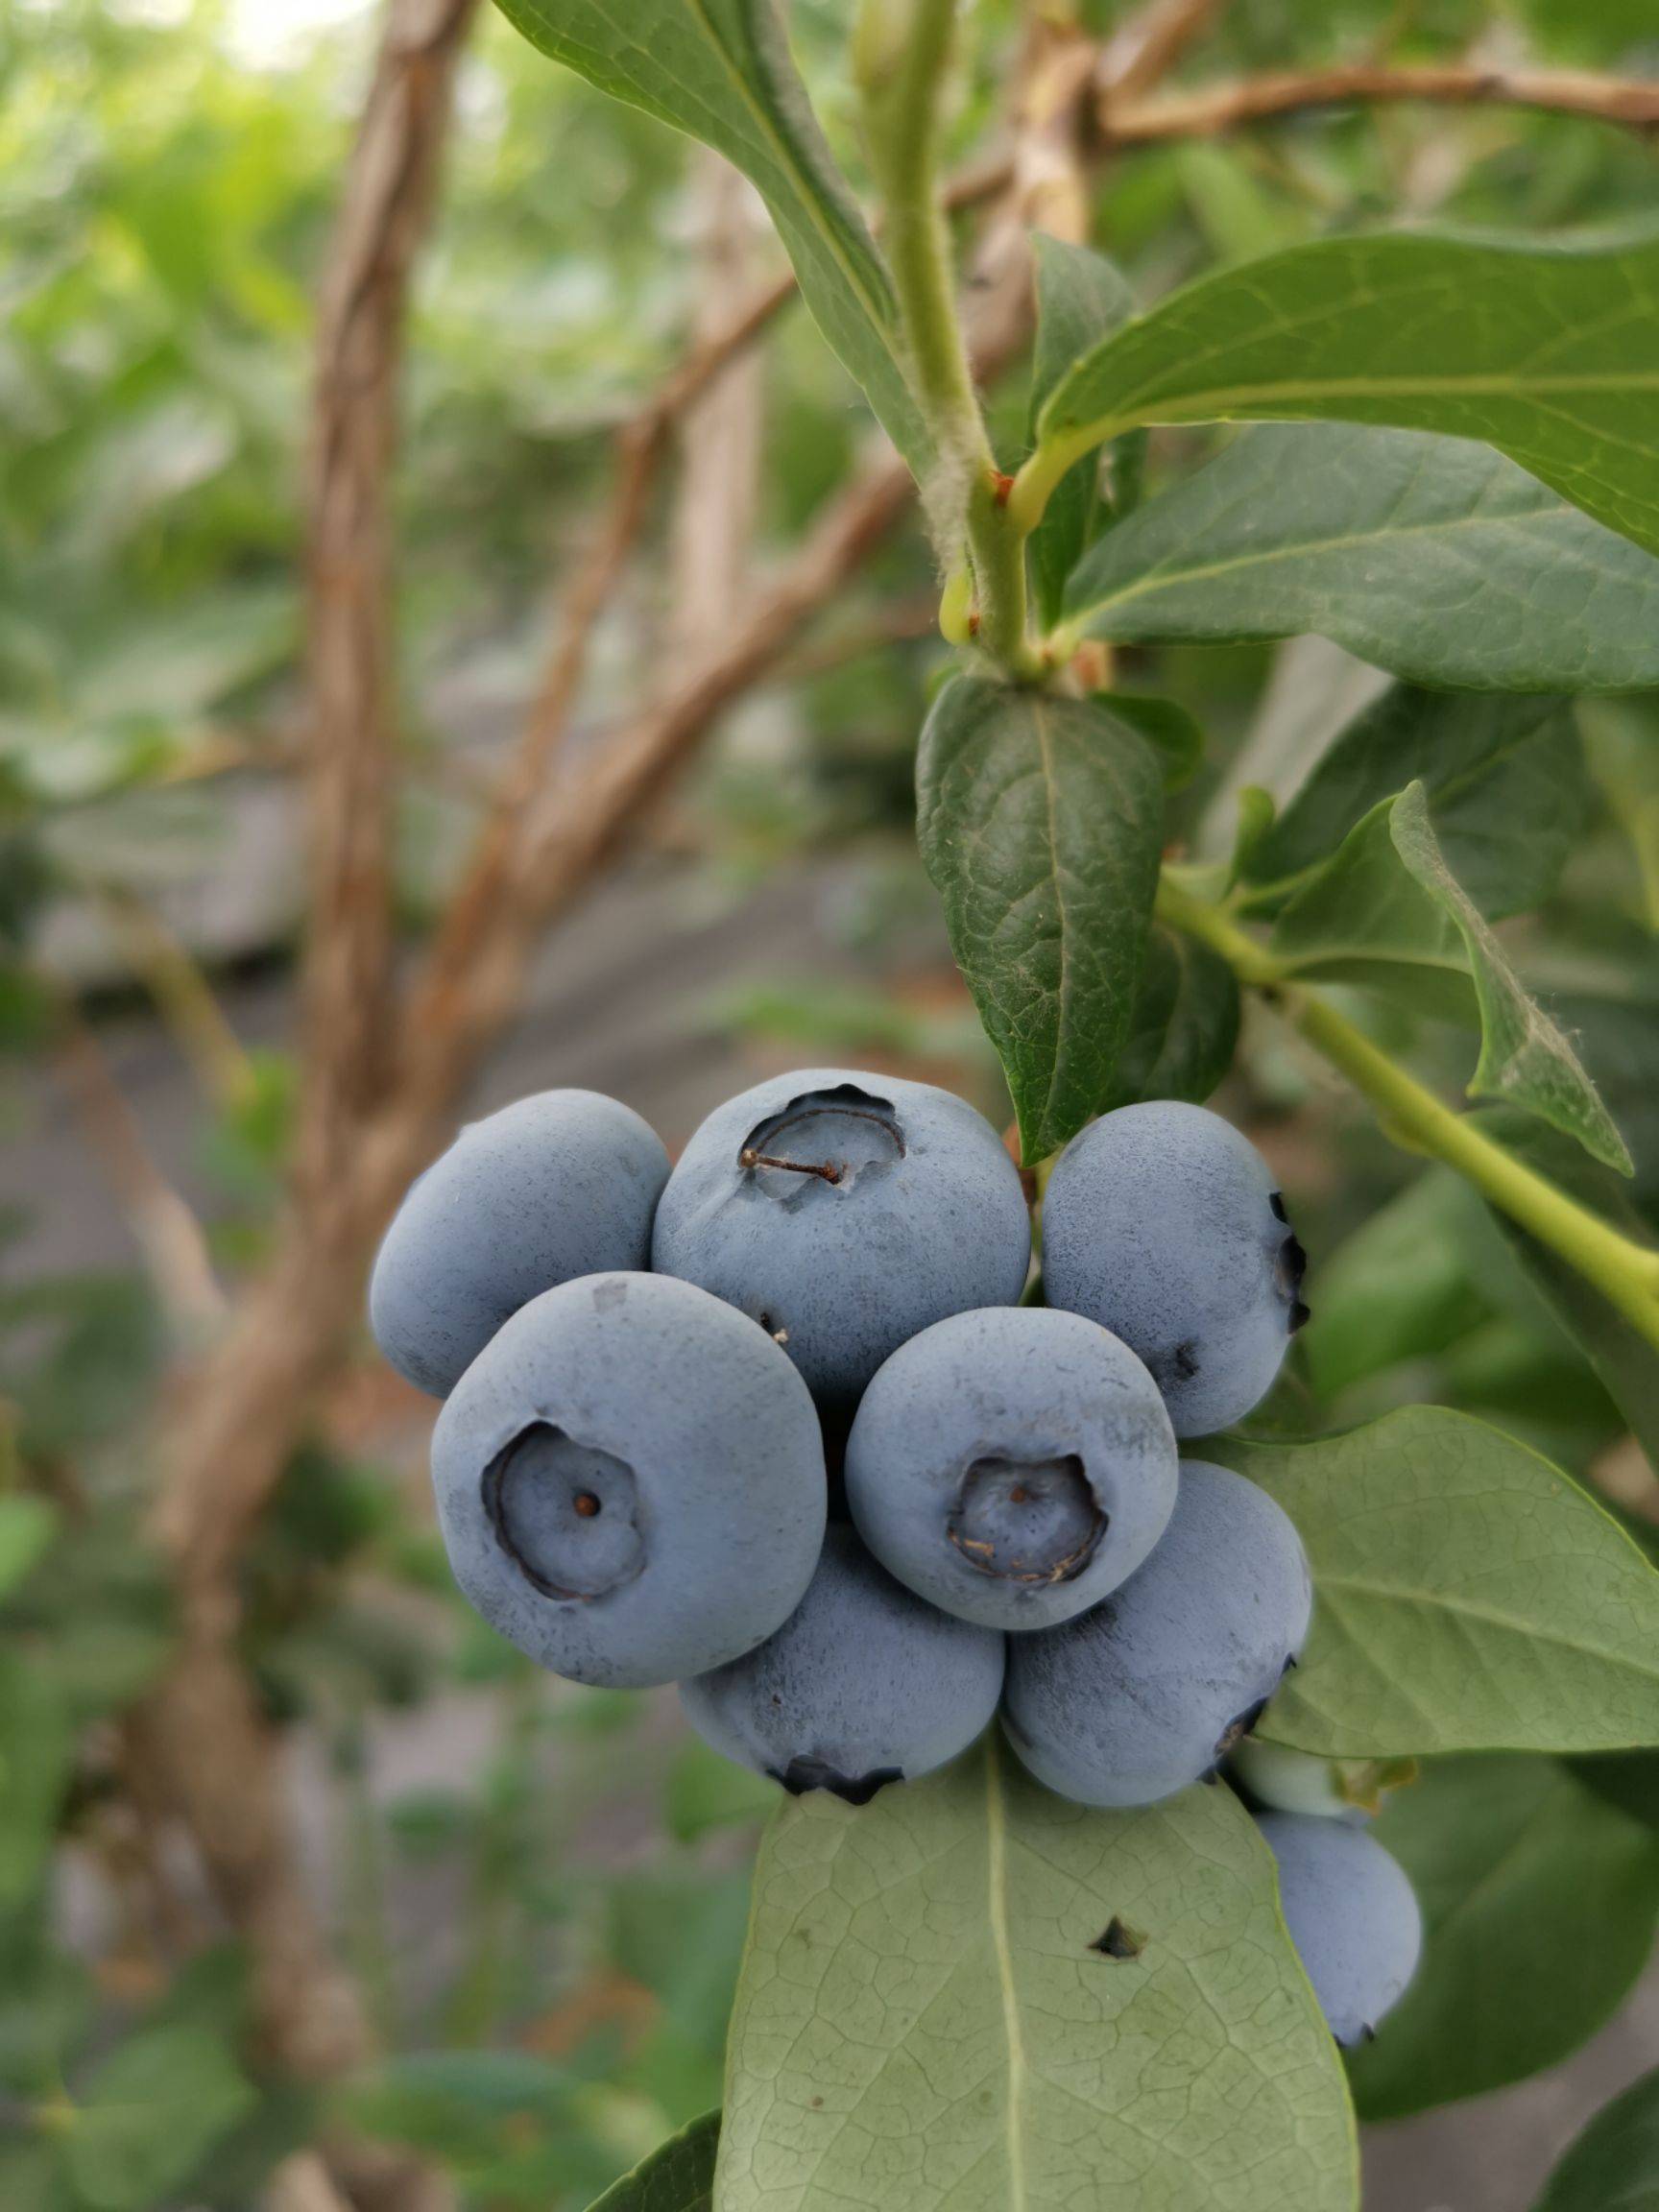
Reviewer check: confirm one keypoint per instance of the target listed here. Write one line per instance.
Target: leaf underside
(1434, 557)
(928, 2015)
(1468, 1595)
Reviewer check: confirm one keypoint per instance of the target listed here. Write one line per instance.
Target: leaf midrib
(1169, 578)
(997, 1880)
(1213, 405)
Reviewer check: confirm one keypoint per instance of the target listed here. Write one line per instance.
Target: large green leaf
(1505, 781)
(1468, 1595)
(1040, 823)
(1434, 557)
(1549, 353)
(1081, 299)
(1387, 911)
(1614, 2165)
(721, 71)
(973, 1996)
(1539, 1900)
(152, 2111)
(678, 2176)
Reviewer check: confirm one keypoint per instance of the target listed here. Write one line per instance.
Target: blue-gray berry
(1163, 1223)
(630, 1482)
(862, 1685)
(561, 1184)
(844, 1212)
(1012, 1465)
(1147, 1692)
(1353, 1916)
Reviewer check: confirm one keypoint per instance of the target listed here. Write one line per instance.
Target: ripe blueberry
(844, 1212)
(630, 1482)
(1352, 1915)
(861, 1686)
(1162, 1223)
(561, 1184)
(1012, 1465)
(1147, 1692)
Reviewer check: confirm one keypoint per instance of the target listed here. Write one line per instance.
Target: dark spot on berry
(1276, 1199)
(1183, 1361)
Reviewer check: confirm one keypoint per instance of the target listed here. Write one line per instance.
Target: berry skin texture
(1151, 1690)
(1013, 1466)
(561, 1184)
(1162, 1223)
(862, 1685)
(630, 1482)
(845, 1213)
(1352, 1915)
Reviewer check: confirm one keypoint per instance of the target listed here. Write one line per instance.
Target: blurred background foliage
(543, 1891)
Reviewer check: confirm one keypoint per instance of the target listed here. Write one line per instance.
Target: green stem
(902, 50)
(1626, 1273)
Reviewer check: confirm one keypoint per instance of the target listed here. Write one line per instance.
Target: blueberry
(1012, 1465)
(861, 1686)
(1147, 1692)
(561, 1184)
(1162, 1223)
(1279, 1779)
(630, 1482)
(844, 1212)
(1352, 1915)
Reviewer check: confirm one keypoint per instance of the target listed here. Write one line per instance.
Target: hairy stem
(1626, 1273)
(902, 52)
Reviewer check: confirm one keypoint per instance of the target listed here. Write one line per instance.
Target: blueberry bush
(1056, 1607)
(1104, 1984)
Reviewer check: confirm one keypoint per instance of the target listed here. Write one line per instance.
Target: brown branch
(1211, 110)
(390, 191)
(167, 1233)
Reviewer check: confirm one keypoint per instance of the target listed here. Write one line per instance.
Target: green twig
(902, 51)
(1626, 1273)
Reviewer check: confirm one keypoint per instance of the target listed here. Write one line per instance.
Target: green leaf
(1362, 918)
(1624, 1358)
(1185, 1025)
(1081, 299)
(36, 1759)
(27, 1527)
(1614, 2165)
(1040, 822)
(1468, 1595)
(1546, 352)
(150, 2114)
(1387, 911)
(1162, 723)
(721, 71)
(928, 2017)
(1433, 558)
(1539, 1901)
(1523, 1057)
(678, 2176)
(1506, 780)
(1400, 1288)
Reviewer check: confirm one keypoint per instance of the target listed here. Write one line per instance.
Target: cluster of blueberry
(775, 1427)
